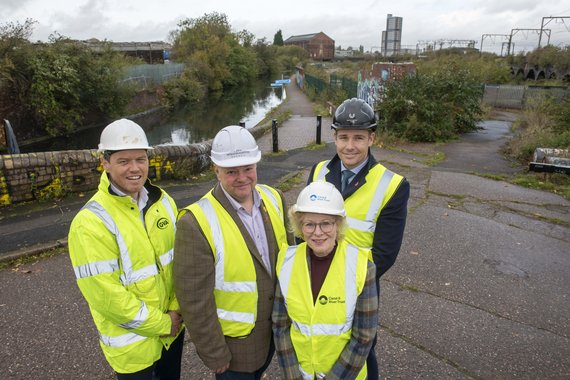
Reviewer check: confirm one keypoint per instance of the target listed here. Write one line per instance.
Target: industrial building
(318, 45)
(392, 36)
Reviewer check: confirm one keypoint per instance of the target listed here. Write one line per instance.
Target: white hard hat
(320, 198)
(123, 134)
(234, 146)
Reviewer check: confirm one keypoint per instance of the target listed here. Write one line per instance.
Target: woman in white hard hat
(325, 310)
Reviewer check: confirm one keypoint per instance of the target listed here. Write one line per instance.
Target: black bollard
(274, 136)
(319, 122)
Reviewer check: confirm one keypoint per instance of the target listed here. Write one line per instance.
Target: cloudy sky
(349, 23)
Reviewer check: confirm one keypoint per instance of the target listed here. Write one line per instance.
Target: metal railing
(511, 96)
(142, 76)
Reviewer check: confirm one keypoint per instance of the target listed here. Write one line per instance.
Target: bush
(432, 107)
(544, 123)
(51, 87)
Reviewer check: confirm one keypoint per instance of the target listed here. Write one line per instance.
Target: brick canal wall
(48, 175)
(51, 175)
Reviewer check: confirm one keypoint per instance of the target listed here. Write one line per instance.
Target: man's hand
(222, 369)
(176, 320)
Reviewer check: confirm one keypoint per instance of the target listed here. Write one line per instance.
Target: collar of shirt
(237, 206)
(143, 196)
(355, 170)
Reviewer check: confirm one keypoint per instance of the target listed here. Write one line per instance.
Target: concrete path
(480, 290)
(299, 130)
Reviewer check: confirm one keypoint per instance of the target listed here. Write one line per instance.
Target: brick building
(318, 45)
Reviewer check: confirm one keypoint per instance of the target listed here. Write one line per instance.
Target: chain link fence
(142, 76)
(346, 85)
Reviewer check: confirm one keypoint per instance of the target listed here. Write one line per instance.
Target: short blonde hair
(296, 222)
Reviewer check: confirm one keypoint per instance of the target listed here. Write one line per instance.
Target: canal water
(187, 125)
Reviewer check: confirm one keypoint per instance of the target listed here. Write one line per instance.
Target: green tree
(215, 56)
(278, 38)
(51, 87)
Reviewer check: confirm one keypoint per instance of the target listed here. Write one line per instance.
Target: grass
(15, 263)
(433, 159)
(553, 182)
(291, 181)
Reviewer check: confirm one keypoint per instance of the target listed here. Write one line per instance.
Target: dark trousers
(234, 375)
(165, 368)
(372, 362)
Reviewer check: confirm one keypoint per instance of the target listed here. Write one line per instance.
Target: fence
(335, 82)
(509, 96)
(144, 75)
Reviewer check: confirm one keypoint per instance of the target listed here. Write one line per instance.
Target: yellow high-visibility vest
(235, 288)
(363, 207)
(320, 331)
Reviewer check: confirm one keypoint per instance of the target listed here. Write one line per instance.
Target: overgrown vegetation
(543, 123)
(218, 58)
(434, 106)
(53, 87)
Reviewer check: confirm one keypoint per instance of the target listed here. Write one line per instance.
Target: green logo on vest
(323, 300)
(162, 223)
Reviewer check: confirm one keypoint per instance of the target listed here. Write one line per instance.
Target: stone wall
(47, 175)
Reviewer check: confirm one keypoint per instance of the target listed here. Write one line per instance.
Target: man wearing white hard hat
(325, 313)
(224, 261)
(121, 248)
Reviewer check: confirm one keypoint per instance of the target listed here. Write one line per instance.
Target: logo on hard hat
(315, 197)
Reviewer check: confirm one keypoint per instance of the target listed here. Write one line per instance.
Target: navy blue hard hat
(354, 114)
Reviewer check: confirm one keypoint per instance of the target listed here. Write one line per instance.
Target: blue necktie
(346, 176)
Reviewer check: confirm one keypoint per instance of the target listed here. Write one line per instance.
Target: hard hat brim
(318, 210)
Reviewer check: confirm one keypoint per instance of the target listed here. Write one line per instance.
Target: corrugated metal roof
(301, 37)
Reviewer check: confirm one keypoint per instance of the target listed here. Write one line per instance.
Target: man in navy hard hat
(375, 197)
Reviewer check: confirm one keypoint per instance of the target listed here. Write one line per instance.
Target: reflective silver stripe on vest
(369, 224)
(129, 276)
(323, 171)
(216, 229)
(350, 282)
(286, 269)
(98, 267)
(121, 340)
(306, 375)
(170, 211)
(167, 258)
(351, 294)
(236, 316)
(272, 198)
(138, 320)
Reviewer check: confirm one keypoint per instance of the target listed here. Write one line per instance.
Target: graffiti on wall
(372, 84)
